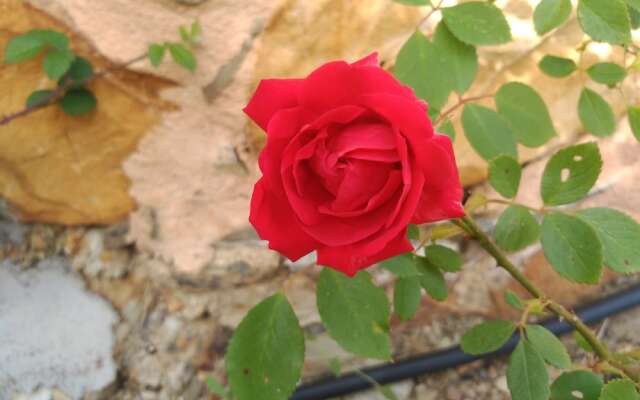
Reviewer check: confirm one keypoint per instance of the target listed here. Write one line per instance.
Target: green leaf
(516, 229)
(513, 300)
(216, 387)
(196, 31)
(355, 312)
(413, 232)
(184, 34)
(403, 266)
(620, 237)
(78, 102)
(487, 132)
(266, 352)
(57, 63)
(80, 70)
(635, 4)
(620, 389)
(487, 337)
(460, 59)
(414, 2)
(572, 384)
(557, 67)
(527, 376)
(634, 16)
(607, 73)
(548, 346)
(523, 108)
(406, 297)
(419, 66)
(605, 21)
(182, 56)
(477, 23)
(443, 257)
(156, 53)
(504, 175)
(634, 121)
(570, 174)
(447, 128)
(22, 48)
(572, 248)
(432, 279)
(55, 39)
(582, 342)
(550, 14)
(38, 98)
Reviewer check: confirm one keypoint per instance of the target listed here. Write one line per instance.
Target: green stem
(470, 226)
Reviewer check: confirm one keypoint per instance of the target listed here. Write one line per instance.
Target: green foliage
(504, 175)
(406, 297)
(634, 121)
(49, 38)
(569, 385)
(419, 66)
(39, 98)
(513, 300)
(266, 352)
(557, 67)
(156, 53)
(487, 337)
(595, 113)
(607, 73)
(516, 229)
(57, 63)
(548, 346)
(527, 376)
(182, 56)
(570, 174)
(605, 21)
(527, 114)
(477, 23)
(355, 313)
(447, 128)
(403, 266)
(443, 257)
(460, 60)
(77, 102)
(487, 132)
(80, 70)
(432, 279)
(22, 48)
(550, 14)
(572, 248)
(582, 342)
(620, 237)
(413, 232)
(620, 389)
(217, 388)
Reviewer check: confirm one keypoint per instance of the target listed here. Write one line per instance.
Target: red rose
(351, 159)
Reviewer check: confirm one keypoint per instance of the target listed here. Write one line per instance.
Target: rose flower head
(351, 160)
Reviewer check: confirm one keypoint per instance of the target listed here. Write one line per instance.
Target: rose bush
(351, 159)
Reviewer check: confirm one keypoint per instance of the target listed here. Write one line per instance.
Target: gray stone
(53, 333)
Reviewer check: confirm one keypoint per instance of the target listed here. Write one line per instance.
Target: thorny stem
(460, 103)
(469, 225)
(60, 91)
(429, 14)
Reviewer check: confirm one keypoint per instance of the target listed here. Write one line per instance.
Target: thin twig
(61, 90)
(460, 103)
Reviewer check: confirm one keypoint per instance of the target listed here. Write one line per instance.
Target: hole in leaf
(577, 394)
(565, 174)
(577, 158)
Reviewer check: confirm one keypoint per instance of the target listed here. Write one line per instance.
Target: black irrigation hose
(453, 356)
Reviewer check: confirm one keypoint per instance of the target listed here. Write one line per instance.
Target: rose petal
(337, 84)
(274, 221)
(442, 194)
(271, 96)
(350, 259)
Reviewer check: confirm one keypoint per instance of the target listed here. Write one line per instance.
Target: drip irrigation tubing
(452, 357)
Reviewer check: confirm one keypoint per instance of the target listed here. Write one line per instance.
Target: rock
(402, 390)
(52, 332)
